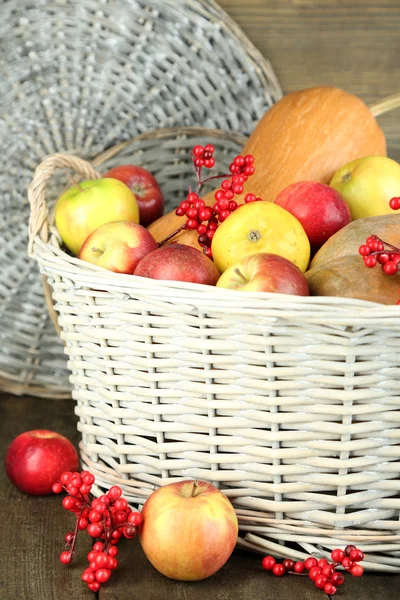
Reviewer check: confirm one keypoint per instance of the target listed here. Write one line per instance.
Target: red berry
(226, 184)
(95, 529)
(99, 506)
(135, 518)
(394, 203)
(192, 213)
(370, 261)
(65, 477)
(82, 523)
(199, 203)
(94, 516)
(288, 564)
(212, 225)
(206, 213)
(98, 547)
(347, 563)
(113, 551)
(382, 258)
(103, 575)
(209, 148)
(229, 195)
(310, 563)
(112, 563)
(65, 557)
(223, 215)
(337, 578)
(232, 205)
(87, 576)
(57, 488)
(356, 555)
(278, 570)
(219, 195)
(85, 489)
(390, 268)
(208, 253)
(72, 490)
(249, 158)
(68, 503)
(198, 150)
(240, 161)
(322, 563)
(328, 570)
(314, 572)
(299, 567)
(249, 170)
(87, 478)
(329, 589)
(68, 538)
(130, 532)
(223, 204)
(357, 570)
(191, 198)
(321, 581)
(350, 547)
(199, 162)
(92, 555)
(93, 566)
(250, 198)
(237, 189)
(95, 586)
(201, 229)
(364, 250)
(209, 163)
(337, 555)
(101, 560)
(268, 562)
(76, 481)
(191, 224)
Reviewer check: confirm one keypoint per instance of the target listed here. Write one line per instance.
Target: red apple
(118, 246)
(177, 262)
(35, 460)
(145, 188)
(189, 530)
(320, 209)
(265, 273)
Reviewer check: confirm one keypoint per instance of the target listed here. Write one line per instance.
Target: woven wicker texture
(289, 404)
(78, 77)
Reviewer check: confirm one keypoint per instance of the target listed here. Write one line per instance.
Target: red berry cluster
(205, 219)
(376, 251)
(321, 572)
(108, 518)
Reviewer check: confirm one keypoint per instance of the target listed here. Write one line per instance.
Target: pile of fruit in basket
(293, 195)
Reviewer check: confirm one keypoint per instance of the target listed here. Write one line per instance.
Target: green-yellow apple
(265, 273)
(118, 246)
(87, 205)
(368, 184)
(178, 262)
(260, 227)
(189, 530)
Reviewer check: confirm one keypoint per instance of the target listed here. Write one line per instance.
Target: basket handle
(39, 217)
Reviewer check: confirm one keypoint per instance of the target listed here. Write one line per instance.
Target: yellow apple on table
(260, 227)
(118, 246)
(265, 273)
(189, 530)
(368, 184)
(89, 204)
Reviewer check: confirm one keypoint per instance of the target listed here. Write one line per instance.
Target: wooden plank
(242, 577)
(353, 44)
(32, 528)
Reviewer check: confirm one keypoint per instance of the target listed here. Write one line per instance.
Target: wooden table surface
(353, 44)
(32, 530)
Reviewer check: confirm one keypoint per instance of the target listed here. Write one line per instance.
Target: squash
(338, 270)
(307, 135)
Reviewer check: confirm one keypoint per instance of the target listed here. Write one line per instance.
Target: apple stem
(238, 272)
(75, 183)
(171, 235)
(194, 489)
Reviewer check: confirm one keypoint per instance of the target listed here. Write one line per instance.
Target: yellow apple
(260, 227)
(189, 530)
(368, 184)
(87, 205)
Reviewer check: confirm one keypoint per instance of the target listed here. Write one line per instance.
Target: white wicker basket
(289, 404)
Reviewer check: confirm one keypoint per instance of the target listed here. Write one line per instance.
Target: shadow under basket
(290, 405)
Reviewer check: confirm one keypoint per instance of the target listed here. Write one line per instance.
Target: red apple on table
(35, 460)
(145, 188)
(265, 272)
(320, 209)
(118, 246)
(189, 530)
(177, 262)
(89, 204)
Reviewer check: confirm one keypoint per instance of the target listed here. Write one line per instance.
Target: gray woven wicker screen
(78, 76)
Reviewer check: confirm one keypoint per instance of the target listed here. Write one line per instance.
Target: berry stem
(215, 177)
(171, 235)
(72, 550)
